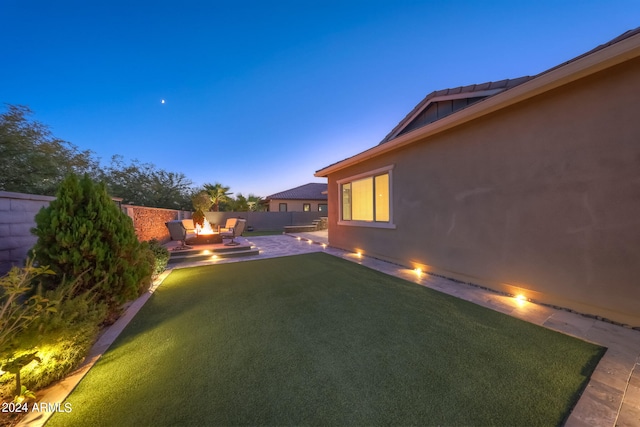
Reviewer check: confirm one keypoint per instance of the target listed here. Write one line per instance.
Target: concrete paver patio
(612, 397)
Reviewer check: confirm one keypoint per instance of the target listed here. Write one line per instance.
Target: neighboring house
(310, 197)
(527, 186)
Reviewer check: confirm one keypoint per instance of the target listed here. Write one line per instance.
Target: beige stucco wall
(295, 205)
(542, 198)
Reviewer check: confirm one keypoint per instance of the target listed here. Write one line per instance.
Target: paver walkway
(612, 397)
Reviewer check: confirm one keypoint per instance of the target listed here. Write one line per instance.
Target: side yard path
(612, 396)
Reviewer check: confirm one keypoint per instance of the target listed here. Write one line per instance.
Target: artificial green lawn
(314, 339)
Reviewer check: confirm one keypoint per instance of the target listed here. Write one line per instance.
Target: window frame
(306, 207)
(281, 205)
(369, 174)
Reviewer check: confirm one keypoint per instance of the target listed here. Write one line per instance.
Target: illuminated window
(306, 207)
(382, 197)
(365, 199)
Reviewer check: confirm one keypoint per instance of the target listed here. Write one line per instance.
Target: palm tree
(218, 193)
(255, 203)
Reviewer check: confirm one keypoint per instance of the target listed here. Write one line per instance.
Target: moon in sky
(162, 101)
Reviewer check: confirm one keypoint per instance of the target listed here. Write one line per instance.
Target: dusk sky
(261, 94)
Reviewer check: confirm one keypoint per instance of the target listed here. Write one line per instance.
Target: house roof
(311, 191)
(476, 92)
(495, 96)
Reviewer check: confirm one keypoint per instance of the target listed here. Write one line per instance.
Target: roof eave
(548, 80)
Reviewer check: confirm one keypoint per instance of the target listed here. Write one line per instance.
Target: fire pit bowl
(204, 239)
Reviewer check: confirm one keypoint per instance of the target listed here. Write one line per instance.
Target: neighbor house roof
(493, 96)
(311, 191)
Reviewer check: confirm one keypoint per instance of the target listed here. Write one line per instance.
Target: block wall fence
(18, 211)
(17, 218)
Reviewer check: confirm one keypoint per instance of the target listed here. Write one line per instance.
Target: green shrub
(82, 235)
(61, 340)
(161, 256)
(43, 334)
(18, 309)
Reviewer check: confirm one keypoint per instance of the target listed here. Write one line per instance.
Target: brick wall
(149, 223)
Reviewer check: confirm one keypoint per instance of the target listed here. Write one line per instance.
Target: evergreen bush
(48, 334)
(83, 235)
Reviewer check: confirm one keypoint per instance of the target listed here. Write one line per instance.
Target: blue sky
(261, 94)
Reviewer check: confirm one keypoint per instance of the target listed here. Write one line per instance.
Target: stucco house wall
(540, 198)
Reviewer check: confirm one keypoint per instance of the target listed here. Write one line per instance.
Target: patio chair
(229, 225)
(178, 232)
(233, 232)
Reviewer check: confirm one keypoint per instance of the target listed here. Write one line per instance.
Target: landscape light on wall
(324, 246)
(418, 271)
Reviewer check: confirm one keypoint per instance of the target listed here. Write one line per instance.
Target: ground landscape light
(521, 300)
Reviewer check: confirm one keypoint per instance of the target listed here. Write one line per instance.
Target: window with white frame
(365, 199)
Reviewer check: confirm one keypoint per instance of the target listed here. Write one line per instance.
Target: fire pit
(205, 235)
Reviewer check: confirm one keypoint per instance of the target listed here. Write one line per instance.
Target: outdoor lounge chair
(233, 232)
(178, 232)
(229, 225)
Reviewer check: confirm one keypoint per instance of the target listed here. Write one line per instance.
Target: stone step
(193, 255)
